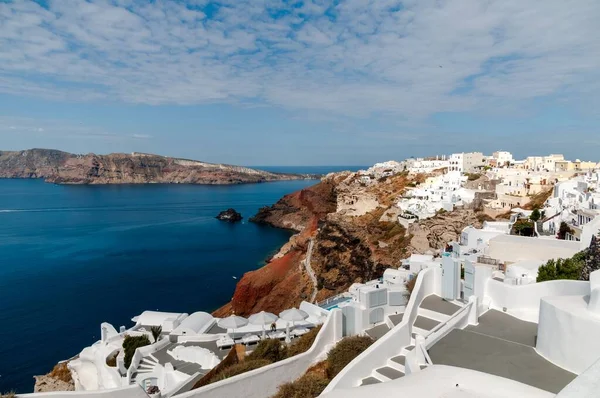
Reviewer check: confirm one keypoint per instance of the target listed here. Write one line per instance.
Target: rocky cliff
(355, 234)
(136, 168)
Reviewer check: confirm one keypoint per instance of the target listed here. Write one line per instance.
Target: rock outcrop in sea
(355, 235)
(230, 215)
(119, 168)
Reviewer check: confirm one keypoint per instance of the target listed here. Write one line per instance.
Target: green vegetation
(563, 230)
(568, 268)
(308, 386)
(132, 343)
(535, 215)
(523, 228)
(344, 352)
(580, 266)
(591, 261)
(156, 332)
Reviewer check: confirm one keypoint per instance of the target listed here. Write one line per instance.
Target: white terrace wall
(523, 301)
(263, 382)
(133, 391)
(376, 356)
(586, 385)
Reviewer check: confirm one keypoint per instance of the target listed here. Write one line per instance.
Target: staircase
(432, 312)
(147, 365)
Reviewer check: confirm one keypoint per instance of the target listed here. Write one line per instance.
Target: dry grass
(538, 200)
(303, 343)
(268, 349)
(242, 367)
(308, 386)
(410, 285)
(10, 394)
(344, 352)
(61, 372)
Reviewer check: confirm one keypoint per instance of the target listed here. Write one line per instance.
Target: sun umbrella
(232, 322)
(292, 315)
(263, 318)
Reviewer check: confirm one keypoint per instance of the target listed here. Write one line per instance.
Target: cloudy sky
(276, 82)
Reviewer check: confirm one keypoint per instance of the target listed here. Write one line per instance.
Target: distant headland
(136, 168)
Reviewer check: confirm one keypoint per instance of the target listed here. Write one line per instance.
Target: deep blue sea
(72, 257)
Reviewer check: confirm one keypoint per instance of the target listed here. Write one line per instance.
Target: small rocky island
(230, 215)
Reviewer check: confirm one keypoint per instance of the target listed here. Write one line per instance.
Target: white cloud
(404, 58)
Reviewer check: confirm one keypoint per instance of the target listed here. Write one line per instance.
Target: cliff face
(65, 168)
(356, 236)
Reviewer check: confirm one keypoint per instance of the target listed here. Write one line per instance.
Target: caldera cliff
(355, 236)
(118, 168)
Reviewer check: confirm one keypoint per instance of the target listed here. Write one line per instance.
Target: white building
(502, 158)
(466, 162)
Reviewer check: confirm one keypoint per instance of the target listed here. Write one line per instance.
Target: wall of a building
(568, 333)
(523, 301)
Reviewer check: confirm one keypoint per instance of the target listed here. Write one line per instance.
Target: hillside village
(462, 275)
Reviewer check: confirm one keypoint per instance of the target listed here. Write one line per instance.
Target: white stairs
(147, 365)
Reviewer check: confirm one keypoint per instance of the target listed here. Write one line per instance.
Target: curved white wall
(523, 301)
(568, 333)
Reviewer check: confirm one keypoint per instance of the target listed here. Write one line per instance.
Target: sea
(72, 257)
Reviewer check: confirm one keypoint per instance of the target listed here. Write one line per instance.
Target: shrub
(569, 268)
(156, 332)
(523, 228)
(535, 215)
(132, 343)
(270, 349)
(590, 259)
(563, 230)
(10, 394)
(410, 285)
(111, 360)
(61, 372)
(303, 343)
(308, 386)
(242, 367)
(344, 352)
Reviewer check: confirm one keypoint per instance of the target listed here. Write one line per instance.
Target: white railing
(134, 391)
(456, 320)
(392, 342)
(338, 298)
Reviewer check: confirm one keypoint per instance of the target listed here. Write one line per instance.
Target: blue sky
(301, 82)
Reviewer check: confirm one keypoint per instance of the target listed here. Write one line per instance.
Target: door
(376, 316)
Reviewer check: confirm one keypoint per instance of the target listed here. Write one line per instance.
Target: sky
(266, 82)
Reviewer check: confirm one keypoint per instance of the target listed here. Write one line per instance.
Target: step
(425, 323)
(437, 304)
(437, 316)
(369, 381)
(400, 360)
(389, 373)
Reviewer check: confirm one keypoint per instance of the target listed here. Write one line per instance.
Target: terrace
(501, 345)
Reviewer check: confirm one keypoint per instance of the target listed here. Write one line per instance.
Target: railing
(338, 298)
(487, 260)
(441, 329)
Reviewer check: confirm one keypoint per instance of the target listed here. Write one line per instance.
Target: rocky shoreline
(356, 237)
(136, 168)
